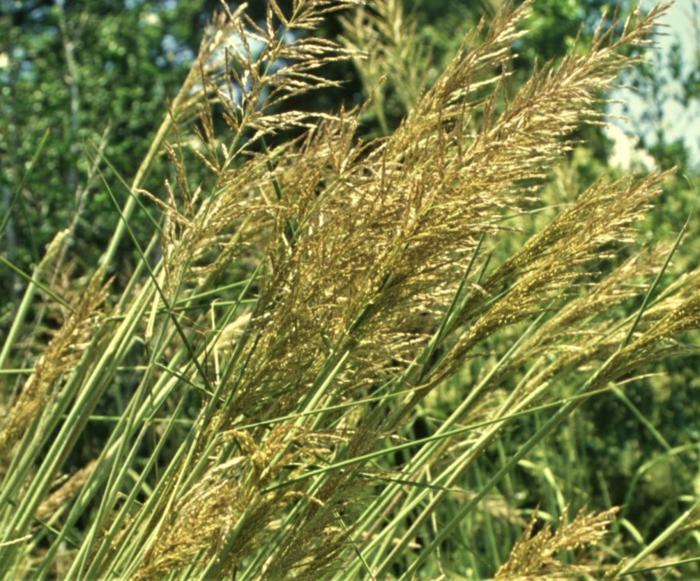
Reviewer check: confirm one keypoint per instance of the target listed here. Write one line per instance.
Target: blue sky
(682, 24)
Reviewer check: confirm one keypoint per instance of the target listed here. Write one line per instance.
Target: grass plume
(311, 289)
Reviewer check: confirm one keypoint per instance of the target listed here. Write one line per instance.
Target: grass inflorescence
(258, 373)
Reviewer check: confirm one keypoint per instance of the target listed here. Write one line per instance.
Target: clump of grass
(295, 307)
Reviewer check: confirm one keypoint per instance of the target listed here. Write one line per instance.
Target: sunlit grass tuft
(259, 376)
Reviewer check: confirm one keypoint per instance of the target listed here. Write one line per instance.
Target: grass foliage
(250, 397)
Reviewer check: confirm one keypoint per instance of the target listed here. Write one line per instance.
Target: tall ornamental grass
(305, 289)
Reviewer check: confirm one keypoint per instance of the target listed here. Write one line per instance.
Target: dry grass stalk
(386, 49)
